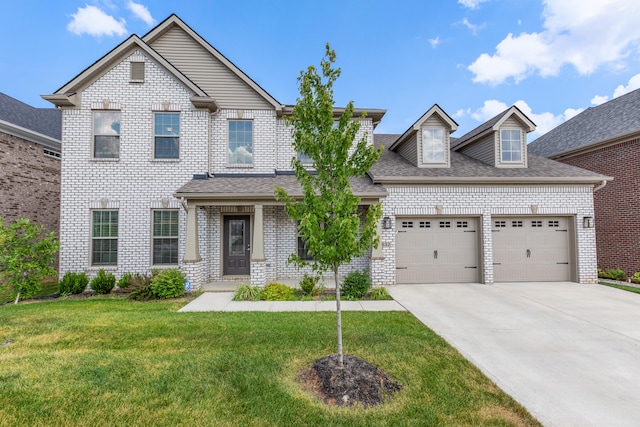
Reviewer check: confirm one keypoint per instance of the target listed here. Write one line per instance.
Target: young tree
(327, 213)
(26, 256)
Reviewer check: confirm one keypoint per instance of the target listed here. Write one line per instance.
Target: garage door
(531, 249)
(437, 250)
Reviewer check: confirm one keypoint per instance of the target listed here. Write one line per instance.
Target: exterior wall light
(386, 223)
(587, 222)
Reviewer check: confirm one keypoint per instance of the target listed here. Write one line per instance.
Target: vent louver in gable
(137, 72)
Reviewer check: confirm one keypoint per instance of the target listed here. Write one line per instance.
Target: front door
(237, 250)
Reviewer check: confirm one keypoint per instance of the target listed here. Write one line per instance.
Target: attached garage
(532, 249)
(437, 250)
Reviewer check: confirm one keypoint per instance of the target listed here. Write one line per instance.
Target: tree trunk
(17, 298)
(338, 317)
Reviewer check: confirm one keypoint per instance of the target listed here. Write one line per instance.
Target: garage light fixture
(587, 222)
(386, 223)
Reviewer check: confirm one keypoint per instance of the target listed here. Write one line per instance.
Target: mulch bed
(357, 382)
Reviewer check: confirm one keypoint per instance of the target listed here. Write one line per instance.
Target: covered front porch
(236, 232)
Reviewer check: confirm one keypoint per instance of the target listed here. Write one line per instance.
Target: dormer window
(511, 145)
(433, 146)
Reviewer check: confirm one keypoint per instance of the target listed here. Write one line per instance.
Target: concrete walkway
(569, 353)
(223, 301)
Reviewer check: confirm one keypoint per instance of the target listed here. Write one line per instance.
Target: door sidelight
(435, 254)
(528, 253)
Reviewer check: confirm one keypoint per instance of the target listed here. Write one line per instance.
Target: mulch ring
(357, 382)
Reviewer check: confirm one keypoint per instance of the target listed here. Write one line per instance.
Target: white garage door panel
(437, 250)
(531, 249)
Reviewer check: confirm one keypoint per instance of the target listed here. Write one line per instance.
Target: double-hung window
(106, 134)
(511, 145)
(165, 236)
(433, 146)
(166, 132)
(303, 251)
(240, 148)
(104, 237)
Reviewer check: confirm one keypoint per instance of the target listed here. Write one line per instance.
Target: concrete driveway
(569, 353)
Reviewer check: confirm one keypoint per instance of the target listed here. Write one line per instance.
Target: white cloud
(142, 12)
(471, 4)
(544, 121)
(583, 33)
(93, 21)
(434, 42)
(633, 84)
(472, 27)
(462, 112)
(599, 99)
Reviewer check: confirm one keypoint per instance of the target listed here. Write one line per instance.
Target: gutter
(602, 184)
(30, 135)
(486, 180)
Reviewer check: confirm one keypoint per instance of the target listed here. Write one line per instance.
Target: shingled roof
(595, 125)
(392, 167)
(46, 121)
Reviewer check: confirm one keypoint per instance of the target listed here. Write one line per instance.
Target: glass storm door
(237, 250)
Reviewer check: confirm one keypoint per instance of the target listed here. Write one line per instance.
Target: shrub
(309, 284)
(26, 257)
(602, 274)
(247, 292)
(278, 292)
(124, 284)
(616, 274)
(380, 293)
(73, 283)
(636, 277)
(356, 284)
(104, 282)
(168, 283)
(140, 288)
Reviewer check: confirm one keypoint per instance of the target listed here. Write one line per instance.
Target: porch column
(192, 245)
(257, 245)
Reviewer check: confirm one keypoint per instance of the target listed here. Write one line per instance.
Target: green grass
(107, 361)
(623, 287)
(49, 287)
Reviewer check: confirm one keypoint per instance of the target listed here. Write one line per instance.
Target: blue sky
(474, 58)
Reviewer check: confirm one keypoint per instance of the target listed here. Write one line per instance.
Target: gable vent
(137, 71)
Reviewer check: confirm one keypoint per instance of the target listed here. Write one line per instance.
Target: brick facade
(29, 182)
(484, 202)
(617, 205)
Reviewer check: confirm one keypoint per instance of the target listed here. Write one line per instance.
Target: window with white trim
(511, 145)
(303, 251)
(104, 237)
(165, 237)
(240, 145)
(106, 134)
(433, 146)
(166, 134)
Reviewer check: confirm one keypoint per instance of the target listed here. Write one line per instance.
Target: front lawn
(106, 361)
(49, 287)
(633, 289)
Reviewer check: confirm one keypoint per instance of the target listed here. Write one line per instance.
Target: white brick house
(171, 154)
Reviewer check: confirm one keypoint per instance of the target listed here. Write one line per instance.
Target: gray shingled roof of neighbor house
(393, 167)
(46, 121)
(615, 118)
(261, 187)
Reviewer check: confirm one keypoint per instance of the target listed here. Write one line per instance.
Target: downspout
(602, 184)
(209, 141)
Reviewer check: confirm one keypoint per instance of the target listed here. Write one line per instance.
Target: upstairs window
(240, 142)
(511, 145)
(433, 146)
(106, 134)
(304, 159)
(166, 129)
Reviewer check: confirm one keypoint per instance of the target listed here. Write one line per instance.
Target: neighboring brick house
(29, 162)
(606, 139)
(171, 154)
